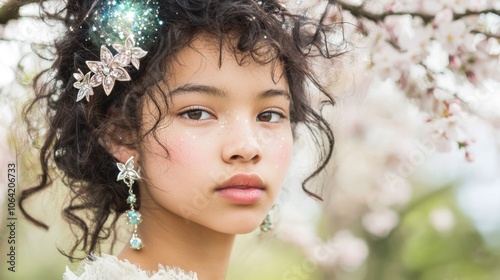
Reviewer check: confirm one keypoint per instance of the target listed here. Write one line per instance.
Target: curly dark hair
(74, 137)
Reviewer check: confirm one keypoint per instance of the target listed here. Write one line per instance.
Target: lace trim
(109, 267)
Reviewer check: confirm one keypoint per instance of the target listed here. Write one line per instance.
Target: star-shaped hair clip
(109, 69)
(84, 85)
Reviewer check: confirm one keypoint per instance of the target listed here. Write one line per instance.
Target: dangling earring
(266, 224)
(129, 175)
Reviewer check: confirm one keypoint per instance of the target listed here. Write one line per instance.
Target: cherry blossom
(380, 222)
(442, 219)
(452, 35)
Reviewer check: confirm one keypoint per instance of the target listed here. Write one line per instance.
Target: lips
(242, 189)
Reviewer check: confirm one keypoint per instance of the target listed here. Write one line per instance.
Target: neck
(173, 241)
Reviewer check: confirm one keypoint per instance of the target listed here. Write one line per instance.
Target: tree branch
(476, 13)
(360, 12)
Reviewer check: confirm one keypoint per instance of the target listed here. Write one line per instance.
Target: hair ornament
(129, 53)
(109, 69)
(109, 22)
(83, 84)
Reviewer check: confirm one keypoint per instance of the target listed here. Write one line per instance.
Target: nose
(242, 144)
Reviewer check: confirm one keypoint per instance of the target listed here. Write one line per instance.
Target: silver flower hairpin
(109, 69)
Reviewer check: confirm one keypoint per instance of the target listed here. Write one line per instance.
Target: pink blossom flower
(380, 222)
(451, 35)
(442, 219)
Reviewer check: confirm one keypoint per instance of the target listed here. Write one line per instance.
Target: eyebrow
(213, 91)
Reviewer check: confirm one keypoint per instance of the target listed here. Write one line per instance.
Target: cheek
(279, 151)
(185, 150)
(185, 156)
(171, 183)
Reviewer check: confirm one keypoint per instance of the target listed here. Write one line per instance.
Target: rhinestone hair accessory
(109, 69)
(109, 22)
(128, 175)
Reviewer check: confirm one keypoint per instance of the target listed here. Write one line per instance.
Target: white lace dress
(107, 267)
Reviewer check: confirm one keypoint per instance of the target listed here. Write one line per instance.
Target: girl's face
(228, 138)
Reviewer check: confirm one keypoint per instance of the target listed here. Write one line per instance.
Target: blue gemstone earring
(266, 224)
(128, 175)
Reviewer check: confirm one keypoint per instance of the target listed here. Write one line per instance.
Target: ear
(122, 153)
(114, 144)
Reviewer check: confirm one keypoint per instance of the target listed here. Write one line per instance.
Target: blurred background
(413, 189)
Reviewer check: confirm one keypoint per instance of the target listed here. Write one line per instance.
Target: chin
(246, 230)
(240, 227)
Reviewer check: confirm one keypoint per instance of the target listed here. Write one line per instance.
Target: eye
(196, 115)
(270, 116)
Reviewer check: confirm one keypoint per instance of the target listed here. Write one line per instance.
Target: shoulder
(110, 267)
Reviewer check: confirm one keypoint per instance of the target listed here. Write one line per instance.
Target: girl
(178, 115)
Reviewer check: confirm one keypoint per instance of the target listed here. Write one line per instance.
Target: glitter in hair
(113, 21)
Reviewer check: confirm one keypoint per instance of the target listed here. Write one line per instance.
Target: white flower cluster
(422, 81)
(438, 53)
